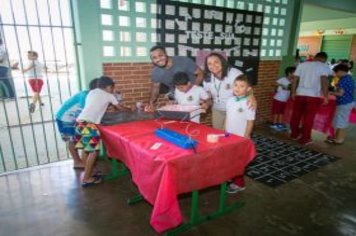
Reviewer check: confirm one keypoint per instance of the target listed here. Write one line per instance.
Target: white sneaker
(234, 188)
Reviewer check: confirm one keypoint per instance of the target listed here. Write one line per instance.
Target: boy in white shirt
(280, 99)
(33, 72)
(187, 93)
(86, 132)
(239, 120)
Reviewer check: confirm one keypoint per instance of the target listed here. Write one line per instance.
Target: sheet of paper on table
(179, 112)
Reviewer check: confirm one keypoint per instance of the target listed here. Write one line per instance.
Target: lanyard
(217, 88)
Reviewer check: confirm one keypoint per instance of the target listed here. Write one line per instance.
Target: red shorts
(36, 85)
(278, 107)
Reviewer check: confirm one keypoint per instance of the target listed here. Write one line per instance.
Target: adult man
(309, 84)
(164, 69)
(5, 80)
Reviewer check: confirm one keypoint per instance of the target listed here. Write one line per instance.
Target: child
(66, 117)
(344, 103)
(187, 93)
(87, 134)
(33, 71)
(239, 120)
(280, 99)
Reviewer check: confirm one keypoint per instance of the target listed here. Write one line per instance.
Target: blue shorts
(67, 130)
(342, 114)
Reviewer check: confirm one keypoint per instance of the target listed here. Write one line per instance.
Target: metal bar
(54, 52)
(2, 158)
(48, 87)
(65, 49)
(17, 109)
(40, 107)
(26, 91)
(40, 26)
(76, 45)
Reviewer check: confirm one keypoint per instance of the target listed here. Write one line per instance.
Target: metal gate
(45, 26)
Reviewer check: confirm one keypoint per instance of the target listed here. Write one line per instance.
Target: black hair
(333, 61)
(181, 78)
(158, 47)
(224, 63)
(105, 81)
(341, 67)
(243, 78)
(322, 55)
(34, 53)
(289, 69)
(93, 84)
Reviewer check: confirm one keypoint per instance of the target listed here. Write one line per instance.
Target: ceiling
(317, 13)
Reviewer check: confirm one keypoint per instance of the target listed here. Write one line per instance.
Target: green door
(337, 46)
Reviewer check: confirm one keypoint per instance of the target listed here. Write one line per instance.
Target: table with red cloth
(323, 118)
(162, 174)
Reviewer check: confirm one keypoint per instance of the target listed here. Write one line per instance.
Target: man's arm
(324, 87)
(199, 76)
(248, 130)
(154, 96)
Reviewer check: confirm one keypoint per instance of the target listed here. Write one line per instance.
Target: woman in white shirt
(220, 77)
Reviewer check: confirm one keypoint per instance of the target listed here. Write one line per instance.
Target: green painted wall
(87, 24)
(289, 59)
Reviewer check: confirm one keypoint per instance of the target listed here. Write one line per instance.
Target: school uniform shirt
(71, 108)
(348, 85)
(221, 90)
(191, 97)
(282, 95)
(96, 104)
(36, 71)
(237, 115)
(309, 74)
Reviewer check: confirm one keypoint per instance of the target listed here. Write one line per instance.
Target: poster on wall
(193, 30)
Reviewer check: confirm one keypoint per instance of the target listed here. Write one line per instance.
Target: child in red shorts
(280, 99)
(33, 71)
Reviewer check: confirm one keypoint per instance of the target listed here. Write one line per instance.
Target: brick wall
(133, 81)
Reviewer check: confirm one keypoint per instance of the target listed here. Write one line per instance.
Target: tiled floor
(49, 201)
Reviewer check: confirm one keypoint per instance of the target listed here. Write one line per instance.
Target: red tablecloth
(323, 119)
(162, 174)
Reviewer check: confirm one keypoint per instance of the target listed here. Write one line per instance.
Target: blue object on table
(178, 139)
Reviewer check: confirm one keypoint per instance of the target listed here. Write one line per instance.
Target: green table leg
(196, 219)
(135, 199)
(102, 152)
(117, 170)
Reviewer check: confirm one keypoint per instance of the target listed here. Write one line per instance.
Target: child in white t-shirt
(280, 99)
(86, 132)
(33, 72)
(187, 93)
(239, 120)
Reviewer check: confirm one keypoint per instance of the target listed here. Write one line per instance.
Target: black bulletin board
(193, 30)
